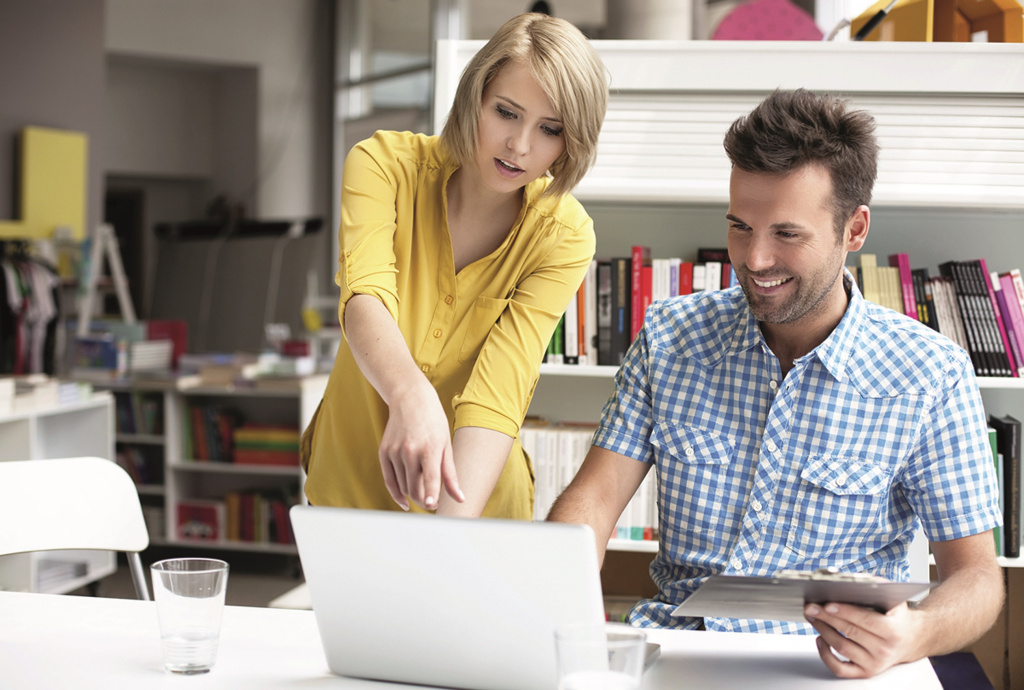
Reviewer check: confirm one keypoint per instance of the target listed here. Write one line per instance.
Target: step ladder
(104, 244)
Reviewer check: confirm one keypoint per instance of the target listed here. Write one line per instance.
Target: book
(868, 264)
(924, 297)
(588, 310)
(967, 308)
(200, 520)
(1009, 446)
(571, 342)
(1009, 333)
(604, 314)
(997, 460)
(639, 258)
(621, 335)
(1001, 343)
(1015, 312)
(901, 262)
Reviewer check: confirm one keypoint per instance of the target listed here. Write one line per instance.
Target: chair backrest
(72, 503)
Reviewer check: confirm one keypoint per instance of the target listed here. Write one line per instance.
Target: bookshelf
(176, 475)
(58, 431)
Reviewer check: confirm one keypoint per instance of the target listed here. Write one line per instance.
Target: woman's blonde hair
(569, 71)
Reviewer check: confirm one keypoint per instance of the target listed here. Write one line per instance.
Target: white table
(61, 641)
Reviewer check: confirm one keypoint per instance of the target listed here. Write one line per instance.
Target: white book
(590, 311)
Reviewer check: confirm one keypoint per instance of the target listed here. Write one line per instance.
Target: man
(792, 425)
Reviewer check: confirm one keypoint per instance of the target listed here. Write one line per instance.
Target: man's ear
(857, 228)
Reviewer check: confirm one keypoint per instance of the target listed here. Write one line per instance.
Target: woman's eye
(551, 131)
(506, 114)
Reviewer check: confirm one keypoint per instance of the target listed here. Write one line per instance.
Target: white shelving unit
(79, 429)
(184, 478)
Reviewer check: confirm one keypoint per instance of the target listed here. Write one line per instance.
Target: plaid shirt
(878, 427)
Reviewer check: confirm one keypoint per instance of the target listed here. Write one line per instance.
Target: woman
(459, 254)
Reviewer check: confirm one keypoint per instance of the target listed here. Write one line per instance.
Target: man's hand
(856, 642)
(416, 449)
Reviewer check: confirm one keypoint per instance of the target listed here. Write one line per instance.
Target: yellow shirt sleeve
(367, 232)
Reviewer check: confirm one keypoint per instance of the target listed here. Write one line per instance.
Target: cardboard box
(946, 20)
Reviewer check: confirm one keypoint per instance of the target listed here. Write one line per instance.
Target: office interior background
(205, 113)
(222, 110)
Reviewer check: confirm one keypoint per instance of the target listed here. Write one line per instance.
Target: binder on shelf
(1008, 444)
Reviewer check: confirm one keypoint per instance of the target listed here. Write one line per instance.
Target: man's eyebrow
(784, 225)
(516, 105)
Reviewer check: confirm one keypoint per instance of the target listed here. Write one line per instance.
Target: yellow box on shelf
(53, 182)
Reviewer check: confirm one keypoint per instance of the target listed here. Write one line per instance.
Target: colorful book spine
(1015, 311)
(640, 257)
(901, 262)
(1000, 337)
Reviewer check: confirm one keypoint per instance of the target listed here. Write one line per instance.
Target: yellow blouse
(478, 335)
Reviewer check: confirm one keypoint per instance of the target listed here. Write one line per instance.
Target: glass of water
(600, 656)
(189, 595)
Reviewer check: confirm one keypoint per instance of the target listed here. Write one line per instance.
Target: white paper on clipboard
(782, 598)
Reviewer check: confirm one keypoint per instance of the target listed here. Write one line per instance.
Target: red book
(686, 278)
(640, 257)
(646, 293)
(902, 262)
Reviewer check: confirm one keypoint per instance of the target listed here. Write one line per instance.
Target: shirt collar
(834, 352)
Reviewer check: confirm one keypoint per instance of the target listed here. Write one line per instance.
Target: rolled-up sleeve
(366, 264)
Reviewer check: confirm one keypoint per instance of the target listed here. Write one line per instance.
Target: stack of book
(1004, 435)
(209, 433)
(981, 310)
(608, 312)
(557, 451)
(258, 517)
(259, 444)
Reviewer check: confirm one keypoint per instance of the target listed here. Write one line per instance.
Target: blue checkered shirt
(878, 427)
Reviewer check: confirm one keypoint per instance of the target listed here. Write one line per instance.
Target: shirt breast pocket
(695, 471)
(837, 507)
(479, 321)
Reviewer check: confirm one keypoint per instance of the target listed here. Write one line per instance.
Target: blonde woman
(459, 254)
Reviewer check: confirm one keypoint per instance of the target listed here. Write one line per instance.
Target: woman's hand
(416, 449)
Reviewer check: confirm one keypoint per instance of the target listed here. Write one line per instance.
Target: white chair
(72, 503)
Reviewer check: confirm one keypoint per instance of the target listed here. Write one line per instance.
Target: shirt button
(841, 480)
(756, 505)
(448, 299)
(437, 333)
(770, 445)
(773, 385)
(690, 452)
(737, 563)
(425, 368)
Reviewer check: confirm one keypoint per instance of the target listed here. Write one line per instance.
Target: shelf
(141, 439)
(1011, 562)
(590, 371)
(283, 549)
(151, 489)
(645, 546)
(235, 468)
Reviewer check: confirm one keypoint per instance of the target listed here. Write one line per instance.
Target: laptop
(451, 602)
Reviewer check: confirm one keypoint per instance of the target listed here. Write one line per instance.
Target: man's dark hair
(791, 129)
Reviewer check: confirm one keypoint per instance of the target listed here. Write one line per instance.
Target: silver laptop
(451, 602)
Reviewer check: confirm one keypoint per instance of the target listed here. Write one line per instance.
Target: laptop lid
(451, 602)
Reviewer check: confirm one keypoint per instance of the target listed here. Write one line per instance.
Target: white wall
(281, 39)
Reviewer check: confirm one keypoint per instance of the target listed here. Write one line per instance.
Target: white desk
(60, 641)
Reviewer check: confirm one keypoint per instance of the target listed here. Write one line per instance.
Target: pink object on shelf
(767, 20)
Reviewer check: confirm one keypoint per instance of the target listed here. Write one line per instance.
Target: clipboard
(782, 597)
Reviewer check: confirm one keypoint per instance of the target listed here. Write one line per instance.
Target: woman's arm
(416, 451)
(480, 456)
